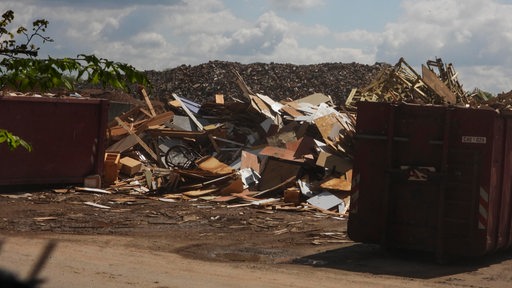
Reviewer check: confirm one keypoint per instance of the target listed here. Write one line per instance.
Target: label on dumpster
(474, 139)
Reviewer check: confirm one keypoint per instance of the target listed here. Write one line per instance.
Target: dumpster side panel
(67, 137)
(496, 182)
(505, 224)
(413, 192)
(475, 149)
(436, 181)
(367, 208)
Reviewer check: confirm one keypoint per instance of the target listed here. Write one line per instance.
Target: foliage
(21, 70)
(29, 73)
(13, 141)
(10, 47)
(44, 74)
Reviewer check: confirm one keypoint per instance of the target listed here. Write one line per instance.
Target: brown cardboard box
(111, 167)
(130, 166)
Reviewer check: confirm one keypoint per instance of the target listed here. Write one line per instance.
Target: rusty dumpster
(432, 178)
(67, 136)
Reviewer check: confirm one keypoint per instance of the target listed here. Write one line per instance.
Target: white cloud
(206, 45)
(493, 79)
(359, 38)
(296, 4)
(475, 35)
(263, 37)
(290, 51)
(195, 16)
(147, 40)
(465, 32)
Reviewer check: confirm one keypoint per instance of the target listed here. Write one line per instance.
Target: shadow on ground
(367, 258)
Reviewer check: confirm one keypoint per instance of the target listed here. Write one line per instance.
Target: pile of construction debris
(293, 155)
(438, 85)
(401, 83)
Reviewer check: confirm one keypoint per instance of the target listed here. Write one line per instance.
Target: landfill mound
(280, 81)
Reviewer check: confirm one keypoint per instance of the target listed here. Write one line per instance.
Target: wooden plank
(329, 127)
(219, 98)
(96, 205)
(156, 120)
(146, 112)
(116, 131)
(352, 99)
(223, 199)
(243, 86)
(137, 138)
(211, 164)
(154, 132)
(276, 172)
(315, 99)
(333, 162)
(94, 190)
(275, 106)
(337, 183)
(250, 160)
(280, 153)
(123, 144)
(291, 111)
(148, 102)
(432, 81)
(302, 146)
(260, 105)
(198, 193)
(235, 186)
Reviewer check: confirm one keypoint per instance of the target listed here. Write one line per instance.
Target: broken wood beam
(148, 102)
(173, 133)
(137, 138)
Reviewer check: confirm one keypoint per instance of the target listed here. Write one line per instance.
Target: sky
(474, 35)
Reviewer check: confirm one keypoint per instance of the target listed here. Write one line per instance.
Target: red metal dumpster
(432, 178)
(67, 136)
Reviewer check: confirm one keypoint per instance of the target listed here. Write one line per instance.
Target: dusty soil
(143, 242)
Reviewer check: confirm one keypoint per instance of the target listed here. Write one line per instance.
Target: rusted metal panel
(432, 178)
(67, 136)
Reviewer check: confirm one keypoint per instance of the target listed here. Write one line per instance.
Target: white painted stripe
(482, 210)
(484, 195)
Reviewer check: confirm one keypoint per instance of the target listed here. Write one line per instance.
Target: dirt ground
(140, 241)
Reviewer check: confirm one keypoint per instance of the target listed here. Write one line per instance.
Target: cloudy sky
(474, 35)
